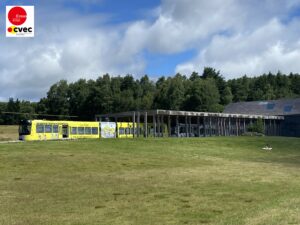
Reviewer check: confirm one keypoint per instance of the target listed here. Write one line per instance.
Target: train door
(65, 131)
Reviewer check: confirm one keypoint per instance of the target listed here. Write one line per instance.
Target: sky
(88, 38)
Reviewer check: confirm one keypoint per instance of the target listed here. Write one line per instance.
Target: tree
(28, 109)
(194, 76)
(170, 93)
(13, 107)
(147, 95)
(269, 93)
(203, 96)
(295, 84)
(2, 109)
(78, 93)
(227, 96)
(57, 99)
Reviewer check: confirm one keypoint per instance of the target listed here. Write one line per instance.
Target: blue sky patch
(164, 65)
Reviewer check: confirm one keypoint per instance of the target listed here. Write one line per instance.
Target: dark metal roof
(268, 108)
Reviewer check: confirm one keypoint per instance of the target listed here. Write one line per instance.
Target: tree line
(208, 91)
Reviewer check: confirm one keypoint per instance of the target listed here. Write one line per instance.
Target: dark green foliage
(58, 99)
(203, 96)
(206, 92)
(15, 110)
(257, 127)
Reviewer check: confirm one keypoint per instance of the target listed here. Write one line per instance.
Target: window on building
(287, 108)
(270, 106)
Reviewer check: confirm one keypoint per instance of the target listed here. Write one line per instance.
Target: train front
(24, 129)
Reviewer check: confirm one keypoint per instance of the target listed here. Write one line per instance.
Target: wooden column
(169, 126)
(198, 125)
(190, 126)
(138, 124)
(237, 126)
(218, 126)
(158, 126)
(225, 126)
(154, 126)
(133, 125)
(204, 126)
(229, 126)
(221, 126)
(162, 125)
(146, 125)
(177, 126)
(210, 127)
(186, 127)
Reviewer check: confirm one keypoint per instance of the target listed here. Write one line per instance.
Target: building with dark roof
(171, 123)
(288, 108)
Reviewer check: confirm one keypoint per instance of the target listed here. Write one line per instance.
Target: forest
(206, 91)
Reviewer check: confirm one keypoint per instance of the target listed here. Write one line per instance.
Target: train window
(48, 129)
(80, 130)
(40, 128)
(127, 130)
(87, 130)
(94, 130)
(73, 130)
(55, 129)
(121, 131)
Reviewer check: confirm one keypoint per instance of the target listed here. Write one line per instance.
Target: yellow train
(33, 130)
(53, 130)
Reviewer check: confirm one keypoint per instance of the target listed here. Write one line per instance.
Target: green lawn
(151, 181)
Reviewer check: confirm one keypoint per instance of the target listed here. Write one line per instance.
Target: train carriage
(54, 130)
(34, 130)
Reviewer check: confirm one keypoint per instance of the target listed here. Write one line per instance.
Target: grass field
(8, 133)
(153, 181)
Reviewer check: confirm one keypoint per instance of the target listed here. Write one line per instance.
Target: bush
(257, 127)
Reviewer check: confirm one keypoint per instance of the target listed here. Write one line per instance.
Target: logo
(19, 21)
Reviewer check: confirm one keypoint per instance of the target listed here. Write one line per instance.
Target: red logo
(17, 15)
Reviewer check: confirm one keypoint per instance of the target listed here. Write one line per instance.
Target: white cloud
(66, 46)
(271, 47)
(234, 36)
